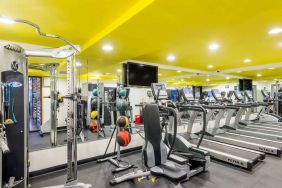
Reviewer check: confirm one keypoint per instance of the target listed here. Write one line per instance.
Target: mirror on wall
(96, 113)
(102, 99)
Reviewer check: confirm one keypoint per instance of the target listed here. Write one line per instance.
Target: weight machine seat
(155, 151)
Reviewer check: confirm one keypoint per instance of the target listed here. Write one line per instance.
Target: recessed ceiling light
(118, 70)
(279, 44)
(182, 80)
(78, 64)
(247, 60)
(97, 74)
(271, 68)
(107, 47)
(107, 73)
(210, 66)
(170, 58)
(41, 64)
(275, 79)
(275, 30)
(214, 46)
(208, 80)
(6, 20)
(227, 78)
(259, 75)
(179, 71)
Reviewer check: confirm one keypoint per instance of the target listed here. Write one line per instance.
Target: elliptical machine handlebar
(173, 111)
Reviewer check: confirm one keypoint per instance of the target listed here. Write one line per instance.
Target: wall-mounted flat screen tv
(135, 74)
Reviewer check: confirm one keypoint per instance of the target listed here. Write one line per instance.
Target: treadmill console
(216, 94)
(265, 93)
(187, 94)
(238, 95)
(249, 95)
(173, 95)
(159, 91)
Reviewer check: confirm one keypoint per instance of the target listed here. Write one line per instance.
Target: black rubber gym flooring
(267, 174)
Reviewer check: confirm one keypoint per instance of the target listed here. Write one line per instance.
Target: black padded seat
(155, 151)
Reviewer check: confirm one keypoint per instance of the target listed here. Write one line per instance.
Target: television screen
(245, 84)
(135, 74)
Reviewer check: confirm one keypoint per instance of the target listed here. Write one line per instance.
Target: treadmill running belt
(230, 150)
(253, 140)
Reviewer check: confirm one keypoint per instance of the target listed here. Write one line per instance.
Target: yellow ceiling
(265, 74)
(77, 21)
(149, 30)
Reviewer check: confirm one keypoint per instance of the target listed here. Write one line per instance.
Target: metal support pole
(54, 101)
(277, 98)
(71, 124)
(72, 93)
(1, 169)
(26, 122)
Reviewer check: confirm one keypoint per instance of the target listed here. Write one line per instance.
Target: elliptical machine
(198, 159)
(155, 152)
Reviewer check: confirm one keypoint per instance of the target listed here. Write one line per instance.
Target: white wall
(260, 86)
(222, 87)
(136, 96)
(62, 113)
(86, 150)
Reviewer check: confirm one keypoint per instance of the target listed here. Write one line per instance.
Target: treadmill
(267, 115)
(250, 129)
(238, 156)
(270, 120)
(222, 134)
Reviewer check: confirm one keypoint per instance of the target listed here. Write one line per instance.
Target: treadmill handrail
(219, 107)
(243, 105)
(199, 109)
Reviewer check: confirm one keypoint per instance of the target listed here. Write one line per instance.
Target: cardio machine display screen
(239, 95)
(188, 93)
(250, 94)
(209, 94)
(161, 89)
(216, 93)
(174, 95)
